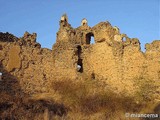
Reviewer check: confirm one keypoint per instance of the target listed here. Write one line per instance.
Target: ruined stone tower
(74, 54)
(114, 62)
(114, 57)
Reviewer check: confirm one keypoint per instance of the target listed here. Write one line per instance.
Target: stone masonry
(114, 58)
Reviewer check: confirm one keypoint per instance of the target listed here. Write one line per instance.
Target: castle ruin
(114, 59)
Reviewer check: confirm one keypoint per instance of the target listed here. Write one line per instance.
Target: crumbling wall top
(84, 22)
(30, 37)
(154, 46)
(64, 17)
(7, 37)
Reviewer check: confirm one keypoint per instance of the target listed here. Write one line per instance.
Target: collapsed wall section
(117, 62)
(65, 59)
(24, 59)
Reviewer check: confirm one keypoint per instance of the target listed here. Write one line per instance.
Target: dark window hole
(90, 38)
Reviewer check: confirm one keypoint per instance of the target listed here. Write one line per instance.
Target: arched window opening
(80, 60)
(124, 39)
(65, 20)
(90, 38)
(79, 50)
(80, 65)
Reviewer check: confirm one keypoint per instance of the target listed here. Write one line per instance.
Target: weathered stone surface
(114, 60)
(14, 58)
(110, 59)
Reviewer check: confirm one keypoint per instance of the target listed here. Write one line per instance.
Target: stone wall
(24, 59)
(112, 60)
(35, 81)
(115, 58)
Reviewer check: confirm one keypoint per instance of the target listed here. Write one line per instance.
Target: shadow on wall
(16, 105)
(11, 95)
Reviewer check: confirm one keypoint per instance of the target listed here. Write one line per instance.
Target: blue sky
(137, 18)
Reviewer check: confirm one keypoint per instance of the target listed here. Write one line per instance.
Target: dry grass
(77, 100)
(147, 94)
(88, 98)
